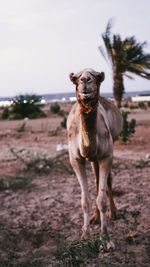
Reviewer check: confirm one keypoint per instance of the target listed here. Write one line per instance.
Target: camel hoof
(85, 236)
(107, 246)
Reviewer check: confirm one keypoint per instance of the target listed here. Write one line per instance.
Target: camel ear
(73, 77)
(99, 76)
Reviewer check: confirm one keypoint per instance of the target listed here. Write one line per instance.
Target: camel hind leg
(105, 168)
(112, 209)
(95, 219)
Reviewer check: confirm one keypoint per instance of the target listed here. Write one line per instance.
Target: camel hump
(114, 117)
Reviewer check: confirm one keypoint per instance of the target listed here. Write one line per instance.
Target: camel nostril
(88, 79)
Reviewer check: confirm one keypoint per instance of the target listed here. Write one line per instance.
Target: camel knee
(102, 204)
(85, 202)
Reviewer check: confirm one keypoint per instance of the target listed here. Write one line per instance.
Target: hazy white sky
(42, 41)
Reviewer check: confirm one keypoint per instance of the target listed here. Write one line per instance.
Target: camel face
(87, 83)
(87, 87)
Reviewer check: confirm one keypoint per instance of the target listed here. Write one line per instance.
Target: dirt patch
(40, 210)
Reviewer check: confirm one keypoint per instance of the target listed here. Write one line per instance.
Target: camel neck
(88, 121)
(88, 133)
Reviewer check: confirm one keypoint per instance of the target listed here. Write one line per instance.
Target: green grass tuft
(77, 252)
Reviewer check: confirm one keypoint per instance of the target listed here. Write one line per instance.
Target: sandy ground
(40, 211)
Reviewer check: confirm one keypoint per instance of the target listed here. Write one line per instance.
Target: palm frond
(106, 36)
(141, 59)
(128, 76)
(139, 69)
(104, 54)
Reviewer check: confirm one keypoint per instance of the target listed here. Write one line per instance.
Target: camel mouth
(85, 95)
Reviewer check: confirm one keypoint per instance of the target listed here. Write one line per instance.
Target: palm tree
(124, 56)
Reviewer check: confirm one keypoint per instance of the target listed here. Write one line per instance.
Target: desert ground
(40, 210)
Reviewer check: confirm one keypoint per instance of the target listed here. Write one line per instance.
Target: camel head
(87, 84)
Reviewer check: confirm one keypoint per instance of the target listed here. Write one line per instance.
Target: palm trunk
(118, 89)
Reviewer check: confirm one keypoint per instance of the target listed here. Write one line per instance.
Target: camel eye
(83, 80)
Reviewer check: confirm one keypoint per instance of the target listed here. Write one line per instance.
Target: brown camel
(93, 125)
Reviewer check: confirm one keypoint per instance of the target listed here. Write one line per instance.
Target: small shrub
(27, 106)
(14, 182)
(128, 127)
(39, 165)
(132, 125)
(148, 104)
(134, 107)
(142, 105)
(55, 108)
(116, 165)
(125, 105)
(5, 114)
(64, 122)
(142, 164)
(45, 165)
(16, 116)
(61, 113)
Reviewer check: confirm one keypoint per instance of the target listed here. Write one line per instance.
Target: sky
(42, 41)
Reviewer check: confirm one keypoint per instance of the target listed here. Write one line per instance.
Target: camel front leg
(79, 168)
(105, 166)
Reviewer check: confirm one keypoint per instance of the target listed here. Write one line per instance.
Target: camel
(93, 125)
